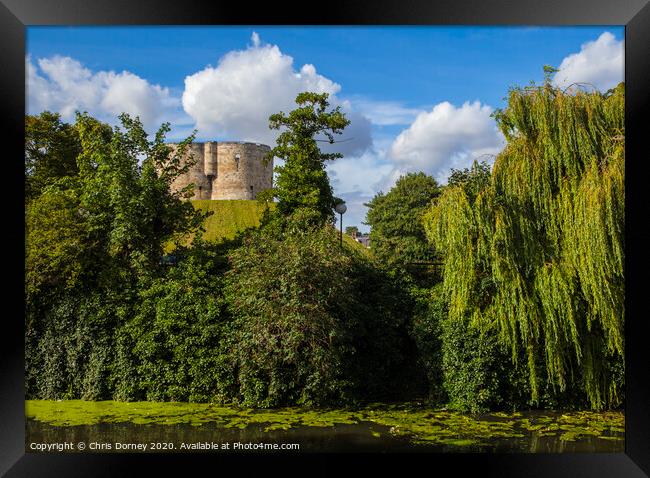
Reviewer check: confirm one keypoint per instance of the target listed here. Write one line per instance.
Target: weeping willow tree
(547, 231)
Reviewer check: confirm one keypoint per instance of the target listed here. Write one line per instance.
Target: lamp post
(341, 208)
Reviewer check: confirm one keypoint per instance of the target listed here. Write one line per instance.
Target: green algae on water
(414, 422)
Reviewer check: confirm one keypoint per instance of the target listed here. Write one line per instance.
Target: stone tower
(226, 170)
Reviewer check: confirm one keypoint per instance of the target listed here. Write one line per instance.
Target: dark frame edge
(635, 461)
(637, 110)
(12, 87)
(379, 12)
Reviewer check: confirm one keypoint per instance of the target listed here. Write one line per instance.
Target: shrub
(426, 324)
(306, 326)
(177, 331)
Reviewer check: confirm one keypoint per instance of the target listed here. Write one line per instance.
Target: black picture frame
(15, 15)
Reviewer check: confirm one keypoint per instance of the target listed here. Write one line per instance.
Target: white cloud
(446, 137)
(64, 85)
(358, 174)
(599, 62)
(358, 179)
(235, 99)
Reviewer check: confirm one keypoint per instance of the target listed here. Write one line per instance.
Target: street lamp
(341, 208)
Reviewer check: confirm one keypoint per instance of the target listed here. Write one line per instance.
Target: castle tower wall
(195, 175)
(226, 170)
(210, 159)
(241, 172)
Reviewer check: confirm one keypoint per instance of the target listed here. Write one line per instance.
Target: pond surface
(408, 427)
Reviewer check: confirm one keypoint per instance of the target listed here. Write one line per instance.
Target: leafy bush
(177, 330)
(470, 363)
(306, 328)
(69, 349)
(426, 323)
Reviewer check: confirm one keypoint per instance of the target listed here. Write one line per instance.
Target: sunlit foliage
(548, 232)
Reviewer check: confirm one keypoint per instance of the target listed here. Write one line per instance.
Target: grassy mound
(233, 216)
(230, 217)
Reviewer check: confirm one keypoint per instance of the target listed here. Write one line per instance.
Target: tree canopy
(472, 180)
(113, 209)
(547, 231)
(51, 150)
(397, 234)
(302, 181)
(94, 238)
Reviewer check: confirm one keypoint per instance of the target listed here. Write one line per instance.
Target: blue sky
(419, 97)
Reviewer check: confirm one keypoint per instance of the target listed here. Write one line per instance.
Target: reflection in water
(359, 437)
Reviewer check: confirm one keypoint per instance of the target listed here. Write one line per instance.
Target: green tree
(473, 180)
(93, 240)
(302, 181)
(397, 233)
(116, 214)
(56, 242)
(313, 323)
(51, 150)
(352, 230)
(547, 232)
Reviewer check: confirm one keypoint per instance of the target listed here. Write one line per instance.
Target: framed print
(261, 236)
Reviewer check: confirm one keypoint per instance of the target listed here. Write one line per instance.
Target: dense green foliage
(93, 242)
(502, 289)
(51, 150)
(177, 331)
(472, 180)
(302, 181)
(314, 323)
(280, 315)
(472, 365)
(398, 236)
(110, 219)
(545, 235)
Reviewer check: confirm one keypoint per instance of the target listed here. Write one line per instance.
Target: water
(359, 437)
